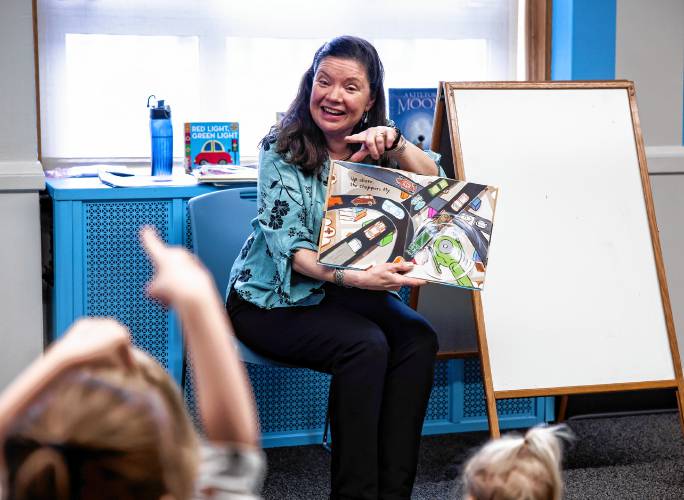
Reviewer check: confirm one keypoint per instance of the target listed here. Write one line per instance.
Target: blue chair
(220, 223)
(217, 244)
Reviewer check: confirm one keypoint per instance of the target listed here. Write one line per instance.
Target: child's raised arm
(225, 398)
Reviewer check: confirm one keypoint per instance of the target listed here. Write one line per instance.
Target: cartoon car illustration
(392, 209)
(419, 242)
(406, 184)
(363, 200)
(467, 218)
(437, 187)
(213, 152)
(417, 202)
(355, 245)
(460, 201)
(375, 230)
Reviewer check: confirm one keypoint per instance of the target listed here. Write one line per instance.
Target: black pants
(381, 355)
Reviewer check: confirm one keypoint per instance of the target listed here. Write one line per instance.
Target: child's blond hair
(517, 467)
(104, 432)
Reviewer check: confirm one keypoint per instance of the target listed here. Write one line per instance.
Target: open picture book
(376, 215)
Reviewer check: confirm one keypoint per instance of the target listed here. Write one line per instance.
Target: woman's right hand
(385, 276)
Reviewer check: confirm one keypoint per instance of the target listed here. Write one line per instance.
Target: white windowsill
(661, 160)
(142, 164)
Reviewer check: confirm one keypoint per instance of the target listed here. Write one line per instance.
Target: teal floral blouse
(290, 206)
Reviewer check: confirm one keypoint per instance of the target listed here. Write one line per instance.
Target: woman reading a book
(288, 307)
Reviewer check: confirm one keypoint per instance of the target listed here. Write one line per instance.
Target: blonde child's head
(104, 432)
(518, 468)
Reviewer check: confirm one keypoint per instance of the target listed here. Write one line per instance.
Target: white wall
(21, 323)
(650, 51)
(18, 98)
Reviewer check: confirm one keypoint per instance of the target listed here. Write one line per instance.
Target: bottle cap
(160, 111)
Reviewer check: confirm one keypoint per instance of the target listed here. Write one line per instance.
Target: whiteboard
(572, 294)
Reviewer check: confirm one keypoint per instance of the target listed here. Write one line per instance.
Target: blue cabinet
(100, 270)
(99, 267)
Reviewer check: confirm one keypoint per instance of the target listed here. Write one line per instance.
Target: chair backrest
(220, 223)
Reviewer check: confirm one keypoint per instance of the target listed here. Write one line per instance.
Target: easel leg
(413, 298)
(680, 404)
(490, 399)
(492, 416)
(562, 409)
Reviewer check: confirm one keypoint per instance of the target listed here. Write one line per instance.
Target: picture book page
(376, 214)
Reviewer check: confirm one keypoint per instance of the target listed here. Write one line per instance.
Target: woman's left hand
(374, 142)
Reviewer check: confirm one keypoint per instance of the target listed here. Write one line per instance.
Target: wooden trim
(456, 151)
(413, 297)
(491, 395)
(555, 85)
(549, 39)
(538, 39)
(585, 389)
(438, 118)
(445, 355)
(487, 382)
(679, 394)
(655, 238)
(36, 70)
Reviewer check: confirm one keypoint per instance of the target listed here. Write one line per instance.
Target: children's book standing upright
(413, 110)
(211, 143)
(376, 215)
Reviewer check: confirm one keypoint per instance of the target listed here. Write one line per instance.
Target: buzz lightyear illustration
(448, 252)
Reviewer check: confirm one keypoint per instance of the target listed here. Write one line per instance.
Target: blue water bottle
(161, 134)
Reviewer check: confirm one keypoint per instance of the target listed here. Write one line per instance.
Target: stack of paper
(225, 174)
(128, 178)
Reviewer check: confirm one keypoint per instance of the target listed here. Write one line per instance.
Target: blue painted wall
(583, 40)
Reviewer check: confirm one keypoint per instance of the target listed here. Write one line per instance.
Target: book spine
(187, 161)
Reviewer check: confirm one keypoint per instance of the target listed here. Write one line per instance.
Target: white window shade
(226, 60)
(104, 104)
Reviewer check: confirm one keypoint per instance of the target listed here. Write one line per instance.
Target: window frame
(211, 41)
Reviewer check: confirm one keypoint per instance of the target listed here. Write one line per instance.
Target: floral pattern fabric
(290, 206)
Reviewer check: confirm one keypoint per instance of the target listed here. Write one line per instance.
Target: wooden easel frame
(445, 110)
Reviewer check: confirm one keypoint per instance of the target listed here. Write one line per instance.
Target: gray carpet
(632, 457)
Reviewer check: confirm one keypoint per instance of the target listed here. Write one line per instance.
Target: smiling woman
(380, 352)
(340, 95)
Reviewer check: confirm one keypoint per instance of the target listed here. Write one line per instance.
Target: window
(215, 60)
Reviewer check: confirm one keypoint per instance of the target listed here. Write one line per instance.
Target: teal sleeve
(283, 217)
(436, 157)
